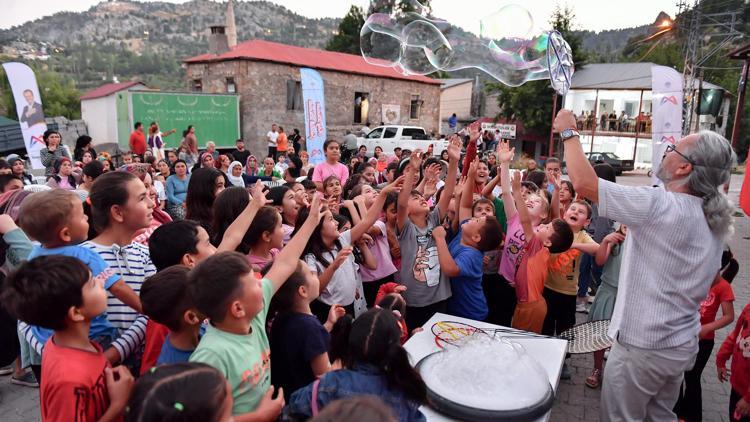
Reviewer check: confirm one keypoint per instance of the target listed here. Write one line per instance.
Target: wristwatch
(568, 133)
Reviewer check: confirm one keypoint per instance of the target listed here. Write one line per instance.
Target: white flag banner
(29, 108)
(666, 129)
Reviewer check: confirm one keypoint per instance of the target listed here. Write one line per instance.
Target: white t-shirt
(272, 137)
(343, 285)
(161, 191)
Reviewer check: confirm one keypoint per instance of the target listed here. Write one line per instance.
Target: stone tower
(231, 27)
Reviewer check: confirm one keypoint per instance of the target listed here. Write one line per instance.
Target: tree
(531, 103)
(347, 39)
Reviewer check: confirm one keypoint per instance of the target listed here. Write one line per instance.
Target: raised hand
(342, 256)
(515, 182)
(474, 132)
(505, 154)
(439, 232)
(555, 179)
(564, 120)
(394, 186)
(258, 196)
(415, 160)
(316, 208)
(432, 172)
(472, 174)
(454, 148)
(336, 312)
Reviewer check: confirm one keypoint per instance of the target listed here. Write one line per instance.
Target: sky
(595, 15)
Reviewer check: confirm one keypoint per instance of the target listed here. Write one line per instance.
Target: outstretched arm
(523, 212)
(374, 212)
(236, 231)
(505, 155)
(454, 154)
(581, 174)
(447, 264)
(467, 196)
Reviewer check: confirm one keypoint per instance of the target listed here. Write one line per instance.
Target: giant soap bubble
(510, 48)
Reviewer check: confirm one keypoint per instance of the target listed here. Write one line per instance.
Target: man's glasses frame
(673, 148)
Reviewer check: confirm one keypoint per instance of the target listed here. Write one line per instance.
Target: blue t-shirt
(170, 354)
(468, 299)
(100, 326)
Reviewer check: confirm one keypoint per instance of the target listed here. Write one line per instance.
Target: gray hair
(714, 159)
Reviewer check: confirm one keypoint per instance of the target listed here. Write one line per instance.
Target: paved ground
(575, 401)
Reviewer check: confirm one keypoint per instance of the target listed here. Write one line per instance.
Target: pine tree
(347, 39)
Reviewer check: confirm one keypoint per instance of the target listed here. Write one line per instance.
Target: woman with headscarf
(251, 166)
(235, 174)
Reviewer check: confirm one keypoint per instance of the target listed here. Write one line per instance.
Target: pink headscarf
(248, 170)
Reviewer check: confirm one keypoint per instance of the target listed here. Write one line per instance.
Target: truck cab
(405, 137)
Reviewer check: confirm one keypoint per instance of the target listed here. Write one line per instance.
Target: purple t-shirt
(323, 170)
(515, 239)
(382, 256)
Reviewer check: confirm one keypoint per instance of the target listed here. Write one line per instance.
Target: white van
(404, 137)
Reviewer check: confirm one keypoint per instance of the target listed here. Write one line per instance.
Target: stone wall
(263, 98)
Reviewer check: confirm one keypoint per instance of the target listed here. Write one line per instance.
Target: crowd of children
(291, 302)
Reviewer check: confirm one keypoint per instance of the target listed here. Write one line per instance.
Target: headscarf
(235, 180)
(203, 156)
(248, 170)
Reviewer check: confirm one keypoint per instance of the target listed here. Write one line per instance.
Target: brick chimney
(217, 41)
(231, 27)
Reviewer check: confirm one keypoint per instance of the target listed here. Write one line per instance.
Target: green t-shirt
(500, 213)
(245, 360)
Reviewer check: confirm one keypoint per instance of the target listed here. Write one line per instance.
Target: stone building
(267, 77)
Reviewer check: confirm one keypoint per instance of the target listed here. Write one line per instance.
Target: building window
(197, 85)
(414, 107)
(294, 95)
(361, 107)
(231, 87)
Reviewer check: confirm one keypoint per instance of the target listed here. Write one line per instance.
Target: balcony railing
(615, 126)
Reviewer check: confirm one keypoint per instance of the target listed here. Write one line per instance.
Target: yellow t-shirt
(564, 268)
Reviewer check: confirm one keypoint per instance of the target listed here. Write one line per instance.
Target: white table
(550, 353)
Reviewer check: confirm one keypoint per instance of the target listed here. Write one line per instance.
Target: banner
(666, 129)
(314, 102)
(29, 108)
(507, 131)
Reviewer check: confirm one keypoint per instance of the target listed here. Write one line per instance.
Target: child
(389, 297)
(689, 405)
(331, 167)
(391, 213)
(121, 206)
(329, 255)
(183, 391)
(462, 260)
(285, 201)
(609, 255)
(427, 289)
(553, 238)
(78, 382)
(561, 286)
(735, 346)
(299, 342)
(165, 300)
(225, 289)
(375, 363)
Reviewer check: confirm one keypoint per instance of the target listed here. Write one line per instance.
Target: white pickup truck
(404, 137)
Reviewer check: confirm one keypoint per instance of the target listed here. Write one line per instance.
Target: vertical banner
(314, 102)
(666, 129)
(29, 108)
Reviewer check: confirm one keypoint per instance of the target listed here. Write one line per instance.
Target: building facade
(357, 94)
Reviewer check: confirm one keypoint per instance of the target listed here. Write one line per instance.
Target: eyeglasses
(673, 148)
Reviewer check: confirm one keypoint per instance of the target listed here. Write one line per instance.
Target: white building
(98, 106)
(624, 90)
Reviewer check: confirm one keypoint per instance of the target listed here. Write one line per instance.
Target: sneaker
(581, 307)
(6, 370)
(28, 379)
(565, 374)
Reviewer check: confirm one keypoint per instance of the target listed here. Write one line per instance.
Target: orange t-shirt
(282, 143)
(532, 271)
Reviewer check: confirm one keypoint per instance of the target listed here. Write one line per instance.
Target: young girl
(205, 184)
(121, 206)
(375, 363)
(364, 198)
(332, 192)
(567, 195)
(159, 216)
(300, 193)
(329, 255)
(299, 342)
(609, 256)
(285, 201)
(331, 167)
(689, 406)
(306, 166)
(182, 391)
(391, 213)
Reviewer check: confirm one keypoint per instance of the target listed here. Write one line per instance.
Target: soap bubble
(510, 49)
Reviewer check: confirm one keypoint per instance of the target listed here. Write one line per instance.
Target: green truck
(216, 117)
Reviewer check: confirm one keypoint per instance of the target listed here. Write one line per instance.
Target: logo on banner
(315, 119)
(669, 99)
(313, 99)
(669, 139)
(36, 139)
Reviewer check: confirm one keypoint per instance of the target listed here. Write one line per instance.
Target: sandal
(595, 379)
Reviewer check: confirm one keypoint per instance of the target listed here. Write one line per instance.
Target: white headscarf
(235, 180)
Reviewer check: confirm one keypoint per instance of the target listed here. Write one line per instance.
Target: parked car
(610, 158)
(404, 137)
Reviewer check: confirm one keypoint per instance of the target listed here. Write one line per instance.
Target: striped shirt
(133, 263)
(670, 258)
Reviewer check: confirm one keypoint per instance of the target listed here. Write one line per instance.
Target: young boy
(553, 238)
(55, 218)
(166, 300)
(737, 347)
(427, 289)
(225, 289)
(331, 167)
(462, 260)
(127, 158)
(78, 383)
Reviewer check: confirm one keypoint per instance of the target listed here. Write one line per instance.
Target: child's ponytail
(340, 340)
(402, 376)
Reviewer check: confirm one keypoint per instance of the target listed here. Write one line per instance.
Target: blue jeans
(589, 270)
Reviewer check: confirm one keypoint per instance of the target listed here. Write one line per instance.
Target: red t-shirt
(137, 142)
(720, 292)
(155, 335)
(737, 347)
(74, 386)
